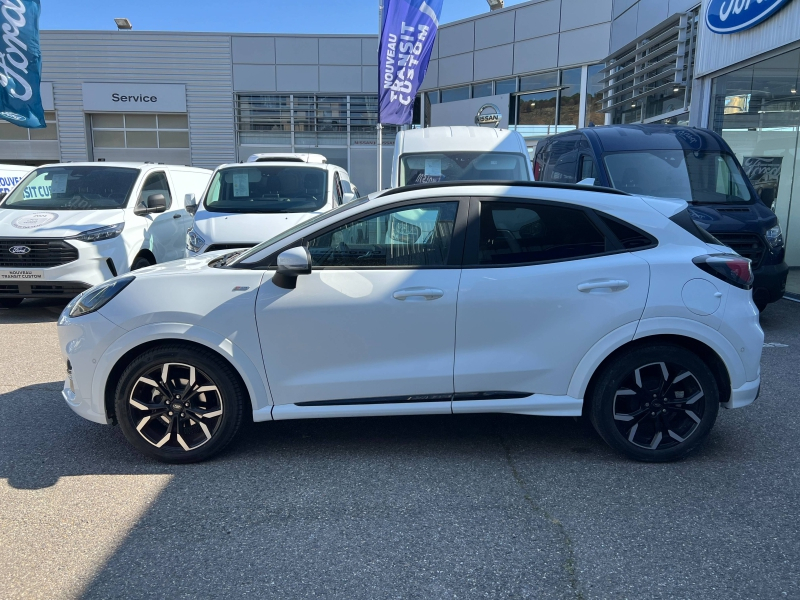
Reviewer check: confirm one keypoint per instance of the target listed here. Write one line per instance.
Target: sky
(256, 16)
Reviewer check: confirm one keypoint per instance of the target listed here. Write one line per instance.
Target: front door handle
(603, 286)
(178, 216)
(418, 294)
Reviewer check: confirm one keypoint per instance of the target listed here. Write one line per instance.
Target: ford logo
(730, 16)
(19, 250)
(489, 114)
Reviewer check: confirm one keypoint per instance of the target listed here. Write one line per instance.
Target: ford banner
(409, 30)
(20, 64)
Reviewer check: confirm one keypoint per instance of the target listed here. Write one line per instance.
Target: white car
(534, 299)
(250, 202)
(68, 227)
(447, 154)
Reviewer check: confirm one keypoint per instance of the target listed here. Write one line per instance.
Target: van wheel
(179, 404)
(10, 302)
(655, 404)
(141, 262)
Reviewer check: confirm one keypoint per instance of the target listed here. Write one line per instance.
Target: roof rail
(530, 184)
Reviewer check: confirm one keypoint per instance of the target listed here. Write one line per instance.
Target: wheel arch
(145, 252)
(118, 356)
(704, 351)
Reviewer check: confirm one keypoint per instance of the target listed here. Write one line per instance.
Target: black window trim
(599, 215)
(457, 245)
(473, 232)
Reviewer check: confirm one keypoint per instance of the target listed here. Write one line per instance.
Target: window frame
(147, 176)
(457, 245)
(472, 246)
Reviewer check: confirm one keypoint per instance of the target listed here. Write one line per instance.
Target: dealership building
(548, 65)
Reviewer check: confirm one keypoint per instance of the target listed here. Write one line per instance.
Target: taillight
(731, 268)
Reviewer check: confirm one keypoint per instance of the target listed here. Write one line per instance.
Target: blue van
(693, 164)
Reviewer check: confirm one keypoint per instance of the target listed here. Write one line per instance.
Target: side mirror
(348, 197)
(190, 203)
(156, 203)
(291, 264)
(767, 195)
(3, 196)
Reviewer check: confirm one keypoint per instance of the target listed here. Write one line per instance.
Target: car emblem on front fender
(19, 250)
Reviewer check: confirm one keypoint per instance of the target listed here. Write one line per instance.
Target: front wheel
(179, 404)
(655, 404)
(141, 262)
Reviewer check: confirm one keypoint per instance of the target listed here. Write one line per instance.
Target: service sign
(731, 16)
(134, 97)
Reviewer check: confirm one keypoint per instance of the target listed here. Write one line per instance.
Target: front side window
(73, 188)
(268, 189)
(521, 233)
(698, 177)
(156, 183)
(410, 236)
(462, 166)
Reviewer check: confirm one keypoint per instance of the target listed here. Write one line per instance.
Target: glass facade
(116, 130)
(757, 110)
(11, 132)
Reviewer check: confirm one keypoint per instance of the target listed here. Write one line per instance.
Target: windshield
(462, 166)
(697, 177)
(268, 189)
(289, 232)
(73, 188)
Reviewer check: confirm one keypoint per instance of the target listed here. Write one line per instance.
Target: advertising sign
(764, 172)
(490, 112)
(21, 64)
(409, 30)
(731, 16)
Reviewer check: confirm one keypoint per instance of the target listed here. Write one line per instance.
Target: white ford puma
(526, 298)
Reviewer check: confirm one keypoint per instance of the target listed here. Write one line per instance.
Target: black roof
(614, 138)
(531, 184)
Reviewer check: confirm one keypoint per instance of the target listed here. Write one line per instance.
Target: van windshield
(697, 177)
(268, 189)
(462, 166)
(73, 188)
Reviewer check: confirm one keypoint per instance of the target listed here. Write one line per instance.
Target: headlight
(775, 237)
(97, 297)
(194, 242)
(100, 234)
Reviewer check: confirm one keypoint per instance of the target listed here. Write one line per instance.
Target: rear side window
(684, 220)
(629, 237)
(514, 233)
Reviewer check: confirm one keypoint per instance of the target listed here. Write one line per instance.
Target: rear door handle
(603, 286)
(418, 294)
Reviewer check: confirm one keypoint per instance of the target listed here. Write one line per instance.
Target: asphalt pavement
(486, 506)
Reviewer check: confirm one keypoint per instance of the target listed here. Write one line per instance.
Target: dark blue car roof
(615, 138)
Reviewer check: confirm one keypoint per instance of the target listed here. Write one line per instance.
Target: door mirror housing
(155, 203)
(291, 264)
(190, 203)
(767, 195)
(348, 197)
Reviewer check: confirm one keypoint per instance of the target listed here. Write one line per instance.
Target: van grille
(43, 253)
(748, 245)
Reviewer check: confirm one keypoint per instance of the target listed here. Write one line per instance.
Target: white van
(11, 175)
(68, 227)
(247, 203)
(438, 154)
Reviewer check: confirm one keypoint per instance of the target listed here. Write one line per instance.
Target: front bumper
(744, 395)
(770, 282)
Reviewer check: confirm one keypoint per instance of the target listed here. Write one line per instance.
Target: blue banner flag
(409, 30)
(20, 64)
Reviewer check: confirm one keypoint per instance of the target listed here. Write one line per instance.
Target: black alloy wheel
(655, 404)
(179, 404)
(141, 262)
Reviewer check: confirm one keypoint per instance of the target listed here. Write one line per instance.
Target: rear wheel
(655, 404)
(179, 404)
(10, 302)
(141, 262)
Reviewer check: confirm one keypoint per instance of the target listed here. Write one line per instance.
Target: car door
(164, 235)
(542, 283)
(374, 321)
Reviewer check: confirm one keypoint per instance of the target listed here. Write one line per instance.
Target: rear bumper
(770, 282)
(744, 395)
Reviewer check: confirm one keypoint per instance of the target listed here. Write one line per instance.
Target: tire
(147, 403)
(141, 262)
(10, 302)
(639, 408)
(761, 305)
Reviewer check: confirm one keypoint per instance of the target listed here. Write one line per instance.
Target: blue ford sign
(730, 16)
(20, 64)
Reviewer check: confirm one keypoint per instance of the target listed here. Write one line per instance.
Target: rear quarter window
(684, 220)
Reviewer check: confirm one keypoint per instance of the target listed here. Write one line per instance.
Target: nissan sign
(731, 16)
(488, 115)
